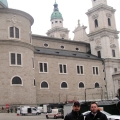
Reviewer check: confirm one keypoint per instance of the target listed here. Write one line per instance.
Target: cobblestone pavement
(13, 116)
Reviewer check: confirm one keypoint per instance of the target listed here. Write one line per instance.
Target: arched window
(97, 85)
(113, 53)
(109, 22)
(81, 85)
(64, 85)
(16, 80)
(99, 54)
(96, 23)
(44, 85)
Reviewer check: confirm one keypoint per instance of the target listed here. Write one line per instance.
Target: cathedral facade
(39, 69)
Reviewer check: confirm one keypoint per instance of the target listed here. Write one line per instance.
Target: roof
(38, 37)
(66, 53)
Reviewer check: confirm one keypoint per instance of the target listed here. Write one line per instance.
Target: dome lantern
(56, 14)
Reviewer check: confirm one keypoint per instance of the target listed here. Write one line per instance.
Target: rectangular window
(30, 37)
(95, 70)
(33, 62)
(43, 67)
(15, 59)
(12, 32)
(113, 53)
(18, 59)
(109, 22)
(62, 68)
(96, 23)
(115, 69)
(80, 70)
(16, 32)
(99, 54)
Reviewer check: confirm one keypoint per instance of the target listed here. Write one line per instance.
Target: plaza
(13, 116)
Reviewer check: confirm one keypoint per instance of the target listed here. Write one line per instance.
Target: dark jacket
(98, 116)
(74, 116)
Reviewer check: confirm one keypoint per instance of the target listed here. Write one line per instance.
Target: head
(94, 107)
(76, 106)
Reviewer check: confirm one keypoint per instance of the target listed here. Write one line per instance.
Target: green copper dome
(4, 2)
(56, 14)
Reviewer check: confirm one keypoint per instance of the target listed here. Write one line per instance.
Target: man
(75, 114)
(95, 113)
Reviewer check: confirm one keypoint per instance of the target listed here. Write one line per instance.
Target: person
(2, 108)
(75, 114)
(95, 113)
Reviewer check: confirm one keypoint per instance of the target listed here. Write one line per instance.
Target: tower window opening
(96, 23)
(52, 22)
(109, 22)
(99, 54)
(60, 21)
(56, 21)
(113, 53)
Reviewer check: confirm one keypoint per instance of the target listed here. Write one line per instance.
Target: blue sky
(72, 10)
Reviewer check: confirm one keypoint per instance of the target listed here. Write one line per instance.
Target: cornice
(111, 60)
(100, 6)
(16, 43)
(17, 12)
(104, 32)
(46, 38)
(57, 29)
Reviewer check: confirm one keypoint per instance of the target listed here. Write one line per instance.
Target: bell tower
(102, 27)
(57, 30)
(103, 38)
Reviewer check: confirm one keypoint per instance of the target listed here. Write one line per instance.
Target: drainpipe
(105, 77)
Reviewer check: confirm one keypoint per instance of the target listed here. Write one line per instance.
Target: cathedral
(38, 69)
